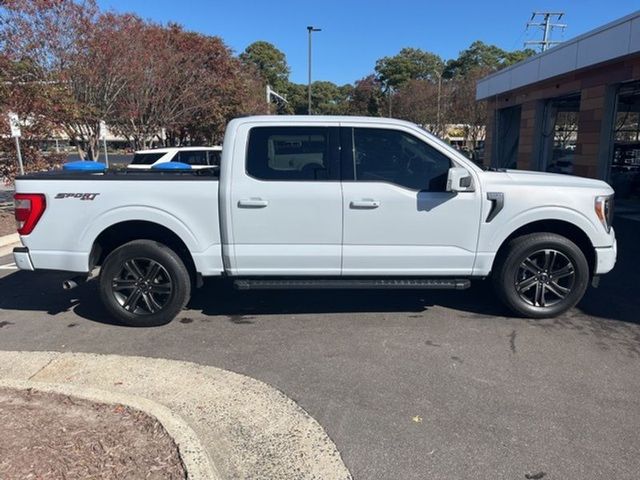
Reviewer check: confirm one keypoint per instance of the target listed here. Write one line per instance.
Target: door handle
(252, 203)
(364, 204)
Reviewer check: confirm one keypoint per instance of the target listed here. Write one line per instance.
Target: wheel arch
(560, 227)
(123, 232)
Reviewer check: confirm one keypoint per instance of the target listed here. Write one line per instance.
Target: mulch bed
(49, 436)
(7, 223)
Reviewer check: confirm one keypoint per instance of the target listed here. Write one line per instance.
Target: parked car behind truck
(320, 202)
(196, 157)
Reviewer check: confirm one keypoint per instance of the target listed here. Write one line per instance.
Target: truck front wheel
(541, 275)
(143, 283)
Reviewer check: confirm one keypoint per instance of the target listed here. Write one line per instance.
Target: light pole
(310, 29)
(439, 100)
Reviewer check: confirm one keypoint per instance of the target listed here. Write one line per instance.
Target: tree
(366, 97)
(189, 84)
(327, 98)
(29, 100)
(465, 109)
(417, 101)
(96, 78)
(54, 38)
(489, 58)
(296, 95)
(81, 59)
(408, 64)
(138, 76)
(463, 73)
(270, 63)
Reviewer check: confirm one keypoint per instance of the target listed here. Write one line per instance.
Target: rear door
(286, 202)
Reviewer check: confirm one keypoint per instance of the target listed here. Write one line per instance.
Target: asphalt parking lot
(411, 385)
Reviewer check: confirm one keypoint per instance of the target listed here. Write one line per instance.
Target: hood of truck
(531, 178)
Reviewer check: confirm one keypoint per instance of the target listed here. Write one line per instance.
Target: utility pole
(547, 26)
(310, 29)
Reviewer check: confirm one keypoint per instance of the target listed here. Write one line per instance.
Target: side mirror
(459, 180)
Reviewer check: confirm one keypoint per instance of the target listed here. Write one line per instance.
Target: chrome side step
(347, 283)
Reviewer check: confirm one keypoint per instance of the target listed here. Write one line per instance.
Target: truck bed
(183, 202)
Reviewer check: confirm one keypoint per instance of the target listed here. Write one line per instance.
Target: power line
(547, 26)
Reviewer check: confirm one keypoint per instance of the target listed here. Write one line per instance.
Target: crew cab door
(286, 201)
(398, 217)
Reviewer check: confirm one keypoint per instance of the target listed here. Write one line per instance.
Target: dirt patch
(51, 436)
(7, 223)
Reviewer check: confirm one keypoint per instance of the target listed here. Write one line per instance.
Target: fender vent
(497, 204)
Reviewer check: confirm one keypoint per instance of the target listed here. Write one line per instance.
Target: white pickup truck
(319, 202)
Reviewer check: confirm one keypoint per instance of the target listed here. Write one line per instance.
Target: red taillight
(29, 207)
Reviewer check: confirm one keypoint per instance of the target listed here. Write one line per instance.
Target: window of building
(625, 164)
(382, 155)
(560, 134)
(507, 137)
(289, 153)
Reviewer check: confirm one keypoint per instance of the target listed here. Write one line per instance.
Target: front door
(286, 203)
(398, 217)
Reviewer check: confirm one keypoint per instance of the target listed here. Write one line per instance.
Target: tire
(144, 283)
(541, 275)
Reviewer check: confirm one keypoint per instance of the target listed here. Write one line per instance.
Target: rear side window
(292, 153)
(192, 157)
(146, 158)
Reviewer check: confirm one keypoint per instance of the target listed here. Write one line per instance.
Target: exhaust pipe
(72, 283)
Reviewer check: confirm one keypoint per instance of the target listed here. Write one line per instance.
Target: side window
(289, 153)
(146, 158)
(191, 157)
(382, 155)
(214, 157)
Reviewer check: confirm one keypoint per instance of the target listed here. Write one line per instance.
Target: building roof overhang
(612, 41)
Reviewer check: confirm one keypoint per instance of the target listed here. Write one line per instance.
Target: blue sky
(357, 32)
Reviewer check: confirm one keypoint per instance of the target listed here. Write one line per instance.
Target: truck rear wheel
(144, 283)
(541, 275)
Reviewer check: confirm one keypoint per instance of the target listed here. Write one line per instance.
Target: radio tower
(546, 26)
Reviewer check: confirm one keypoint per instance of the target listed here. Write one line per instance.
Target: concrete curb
(248, 429)
(192, 453)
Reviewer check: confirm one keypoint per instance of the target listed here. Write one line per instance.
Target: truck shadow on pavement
(616, 299)
(228, 301)
(43, 292)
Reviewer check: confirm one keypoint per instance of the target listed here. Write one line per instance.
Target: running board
(345, 283)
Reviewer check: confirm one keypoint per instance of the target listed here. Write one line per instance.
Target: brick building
(573, 109)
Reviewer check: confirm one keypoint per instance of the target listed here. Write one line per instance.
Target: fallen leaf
(534, 476)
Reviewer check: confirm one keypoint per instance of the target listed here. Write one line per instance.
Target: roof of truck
(320, 119)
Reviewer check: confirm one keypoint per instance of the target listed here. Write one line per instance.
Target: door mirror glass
(459, 180)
